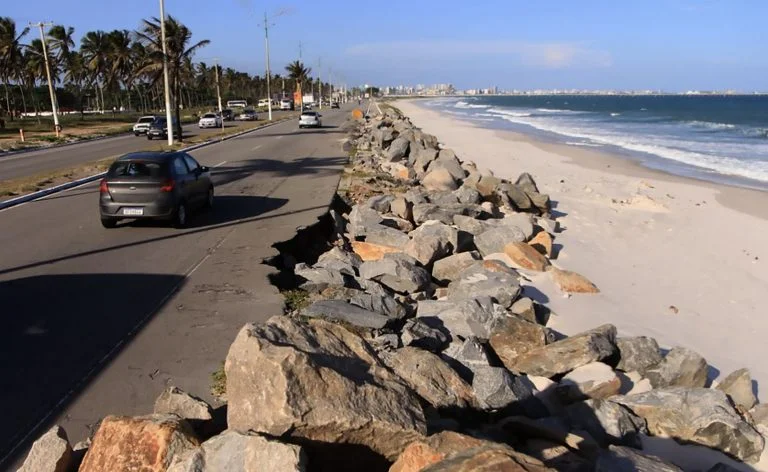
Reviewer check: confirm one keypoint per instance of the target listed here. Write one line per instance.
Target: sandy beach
(675, 258)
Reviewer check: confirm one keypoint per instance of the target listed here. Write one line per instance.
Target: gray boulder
(402, 208)
(447, 235)
(50, 453)
(526, 182)
(514, 197)
(384, 235)
(627, 459)
(361, 218)
(439, 179)
(340, 261)
(483, 183)
(466, 356)
(449, 268)
(698, 415)
(318, 279)
(416, 195)
(638, 354)
(525, 309)
(174, 401)
(738, 386)
(511, 337)
(423, 212)
(469, 317)
(341, 310)
(521, 221)
(431, 241)
(549, 225)
(452, 166)
(607, 422)
(565, 355)
(467, 195)
(398, 149)
(380, 203)
(681, 367)
(541, 202)
(383, 303)
(398, 272)
(422, 160)
(472, 225)
(442, 198)
(486, 279)
(496, 388)
(494, 240)
(447, 154)
(383, 136)
(419, 334)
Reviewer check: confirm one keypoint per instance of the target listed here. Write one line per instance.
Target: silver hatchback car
(310, 119)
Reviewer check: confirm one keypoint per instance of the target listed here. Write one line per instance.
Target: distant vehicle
(264, 103)
(142, 125)
(334, 104)
(159, 128)
(308, 98)
(310, 119)
(286, 104)
(248, 115)
(154, 185)
(227, 114)
(237, 104)
(209, 120)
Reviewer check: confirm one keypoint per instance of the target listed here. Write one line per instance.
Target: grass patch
(24, 185)
(296, 299)
(219, 382)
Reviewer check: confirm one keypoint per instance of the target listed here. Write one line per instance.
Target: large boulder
(380, 203)
(340, 261)
(526, 183)
(447, 269)
(468, 317)
(483, 183)
(542, 242)
(466, 357)
(637, 354)
(50, 453)
(383, 303)
(398, 272)
(467, 195)
(738, 386)
(524, 256)
(232, 451)
(402, 208)
(607, 422)
(431, 378)
(490, 458)
(471, 225)
(386, 236)
(486, 278)
(512, 337)
(418, 333)
(496, 388)
(451, 165)
(383, 136)
(593, 380)
(398, 149)
(627, 459)
(423, 212)
(496, 239)
(571, 282)
(697, 415)
(147, 443)
(439, 179)
(431, 241)
(361, 218)
(422, 159)
(373, 252)
(522, 221)
(341, 310)
(681, 367)
(316, 280)
(175, 401)
(318, 382)
(514, 197)
(565, 355)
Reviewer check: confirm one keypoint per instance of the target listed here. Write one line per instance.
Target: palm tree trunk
(101, 92)
(177, 105)
(23, 98)
(7, 99)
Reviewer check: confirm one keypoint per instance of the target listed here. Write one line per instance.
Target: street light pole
(166, 79)
(266, 43)
(320, 82)
(54, 104)
(218, 91)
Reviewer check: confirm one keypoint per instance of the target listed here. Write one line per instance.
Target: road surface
(100, 321)
(29, 163)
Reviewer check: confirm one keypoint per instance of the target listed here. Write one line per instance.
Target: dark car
(154, 185)
(227, 115)
(334, 104)
(159, 128)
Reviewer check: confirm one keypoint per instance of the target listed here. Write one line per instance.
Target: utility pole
(54, 103)
(266, 42)
(166, 79)
(320, 82)
(218, 91)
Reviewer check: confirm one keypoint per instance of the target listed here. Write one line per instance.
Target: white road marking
(278, 137)
(255, 147)
(220, 163)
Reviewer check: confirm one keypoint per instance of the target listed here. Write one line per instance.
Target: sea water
(722, 138)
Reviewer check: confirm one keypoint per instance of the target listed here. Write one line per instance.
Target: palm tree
(95, 49)
(76, 75)
(61, 42)
(178, 37)
(120, 58)
(299, 73)
(10, 55)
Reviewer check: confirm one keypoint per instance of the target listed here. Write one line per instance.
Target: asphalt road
(31, 163)
(99, 322)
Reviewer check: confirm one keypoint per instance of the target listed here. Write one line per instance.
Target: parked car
(248, 115)
(286, 104)
(209, 120)
(159, 128)
(310, 119)
(154, 185)
(142, 125)
(334, 104)
(227, 114)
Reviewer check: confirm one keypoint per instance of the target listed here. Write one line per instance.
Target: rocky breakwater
(413, 347)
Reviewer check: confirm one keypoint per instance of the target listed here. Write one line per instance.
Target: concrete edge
(76, 183)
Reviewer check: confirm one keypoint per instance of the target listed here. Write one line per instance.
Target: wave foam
(461, 104)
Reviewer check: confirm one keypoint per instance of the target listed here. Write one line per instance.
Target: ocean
(717, 138)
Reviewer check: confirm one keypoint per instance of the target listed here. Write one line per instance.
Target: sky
(671, 45)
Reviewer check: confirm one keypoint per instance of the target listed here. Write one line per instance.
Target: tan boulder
(439, 180)
(50, 453)
(542, 242)
(174, 401)
(372, 252)
(489, 459)
(738, 386)
(594, 380)
(319, 382)
(514, 336)
(571, 282)
(147, 443)
(525, 256)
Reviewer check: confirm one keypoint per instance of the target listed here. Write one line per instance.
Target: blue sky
(652, 44)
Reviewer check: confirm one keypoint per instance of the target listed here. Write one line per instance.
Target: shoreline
(676, 258)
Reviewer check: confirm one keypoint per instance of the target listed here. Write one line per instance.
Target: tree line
(122, 69)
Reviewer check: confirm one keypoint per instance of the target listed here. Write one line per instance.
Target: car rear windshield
(147, 119)
(130, 168)
(309, 113)
(209, 115)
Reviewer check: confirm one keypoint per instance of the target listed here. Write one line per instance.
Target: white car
(310, 119)
(209, 120)
(142, 125)
(286, 104)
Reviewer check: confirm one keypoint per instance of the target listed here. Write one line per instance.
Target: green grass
(296, 299)
(219, 382)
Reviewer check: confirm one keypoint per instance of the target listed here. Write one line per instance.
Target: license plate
(133, 211)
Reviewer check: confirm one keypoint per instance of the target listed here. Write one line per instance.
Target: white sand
(672, 257)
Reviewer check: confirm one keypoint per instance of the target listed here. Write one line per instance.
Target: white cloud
(550, 55)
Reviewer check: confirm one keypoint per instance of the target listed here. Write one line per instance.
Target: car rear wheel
(180, 216)
(108, 223)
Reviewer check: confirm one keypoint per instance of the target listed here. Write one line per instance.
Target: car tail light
(167, 186)
(103, 187)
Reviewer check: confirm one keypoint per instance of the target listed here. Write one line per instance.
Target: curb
(76, 183)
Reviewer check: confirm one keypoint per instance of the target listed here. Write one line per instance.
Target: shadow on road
(320, 166)
(59, 331)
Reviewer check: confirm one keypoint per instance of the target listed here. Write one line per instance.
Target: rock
(399, 224)
(486, 278)
(637, 354)
(467, 195)
(383, 136)
(402, 208)
(419, 334)
(340, 261)
(372, 252)
(416, 195)
(526, 257)
(681, 367)
(431, 378)
(552, 429)
(383, 303)
(512, 337)
(738, 386)
(50, 453)
(232, 451)
(526, 183)
(423, 159)
(699, 415)
(626, 459)
(318, 382)
(439, 179)
(489, 459)
(452, 166)
(541, 202)
(447, 235)
(471, 225)
(607, 422)
(556, 456)
(594, 380)
(380, 203)
(423, 212)
(483, 183)
(175, 401)
(386, 342)
(496, 388)
(361, 218)
(466, 357)
(514, 197)
(398, 149)
(147, 443)
(547, 224)
(759, 414)
(525, 309)
(443, 198)
(565, 355)
(449, 268)
(522, 221)
(386, 236)
(316, 280)
(431, 241)
(398, 272)
(495, 239)
(341, 310)
(468, 317)
(571, 282)
(447, 154)
(542, 242)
